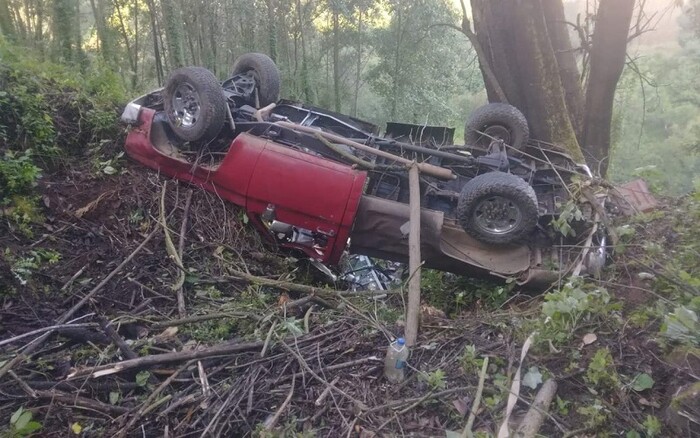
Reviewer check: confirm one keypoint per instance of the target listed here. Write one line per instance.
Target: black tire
(194, 104)
(497, 208)
(265, 72)
(498, 120)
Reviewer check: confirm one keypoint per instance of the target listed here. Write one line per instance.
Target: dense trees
(382, 59)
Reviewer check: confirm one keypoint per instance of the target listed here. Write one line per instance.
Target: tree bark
(414, 258)
(173, 33)
(521, 56)
(608, 51)
(336, 61)
(7, 27)
(566, 62)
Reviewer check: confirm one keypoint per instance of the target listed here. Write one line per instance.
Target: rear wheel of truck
(194, 103)
(496, 121)
(265, 73)
(497, 208)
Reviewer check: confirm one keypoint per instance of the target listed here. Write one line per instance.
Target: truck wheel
(264, 71)
(497, 208)
(194, 103)
(499, 121)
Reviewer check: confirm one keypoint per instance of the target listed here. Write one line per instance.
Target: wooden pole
(414, 258)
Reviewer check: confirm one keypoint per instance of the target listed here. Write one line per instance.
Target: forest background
(381, 60)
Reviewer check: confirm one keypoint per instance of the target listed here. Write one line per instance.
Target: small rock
(645, 276)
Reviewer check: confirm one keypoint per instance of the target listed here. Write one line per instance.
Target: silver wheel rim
(497, 215)
(186, 105)
(497, 132)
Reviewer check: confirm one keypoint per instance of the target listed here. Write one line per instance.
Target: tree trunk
(7, 27)
(156, 48)
(522, 57)
(100, 13)
(336, 61)
(358, 63)
(271, 29)
(566, 62)
(608, 51)
(173, 33)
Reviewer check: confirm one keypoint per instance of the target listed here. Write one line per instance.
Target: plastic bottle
(395, 362)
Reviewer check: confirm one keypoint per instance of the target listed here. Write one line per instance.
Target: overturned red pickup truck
(320, 183)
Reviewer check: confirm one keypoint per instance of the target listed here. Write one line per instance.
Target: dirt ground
(249, 357)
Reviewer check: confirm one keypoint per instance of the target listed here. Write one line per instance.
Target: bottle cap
(401, 341)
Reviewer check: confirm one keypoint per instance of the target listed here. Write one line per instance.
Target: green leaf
(532, 378)
(15, 415)
(142, 378)
(114, 397)
(23, 420)
(31, 427)
(642, 381)
(109, 170)
(632, 434)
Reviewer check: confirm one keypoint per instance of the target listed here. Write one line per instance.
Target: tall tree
(173, 33)
(527, 49)
(65, 22)
(7, 27)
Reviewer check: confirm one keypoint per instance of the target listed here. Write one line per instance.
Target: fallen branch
(82, 402)
(170, 247)
(118, 341)
(306, 366)
(269, 425)
(534, 418)
(467, 432)
(32, 347)
(169, 358)
(181, 310)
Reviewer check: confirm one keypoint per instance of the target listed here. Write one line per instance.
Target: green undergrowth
(49, 114)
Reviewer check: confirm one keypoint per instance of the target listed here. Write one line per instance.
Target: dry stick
(467, 432)
(32, 347)
(269, 425)
(44, 329)
(306, 366)
(200, 318)
(414, 257)
(429, 169)
(168, 358)
(180, 250)
(146, 404)
(118, 341)
(535, 415)
(294, 287)
(170, 246)
(398, 403)
(339, 366)
(321, 398)
(81, 402)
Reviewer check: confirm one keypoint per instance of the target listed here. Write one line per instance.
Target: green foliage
(682, 326)
(24, 267)
(642, 382)
(601, 372)
(21, 424)
(565, 310)
(18, 176)
(453, 293)
(660, 124)
(469, 361)
(595, 414)
(434, 379)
